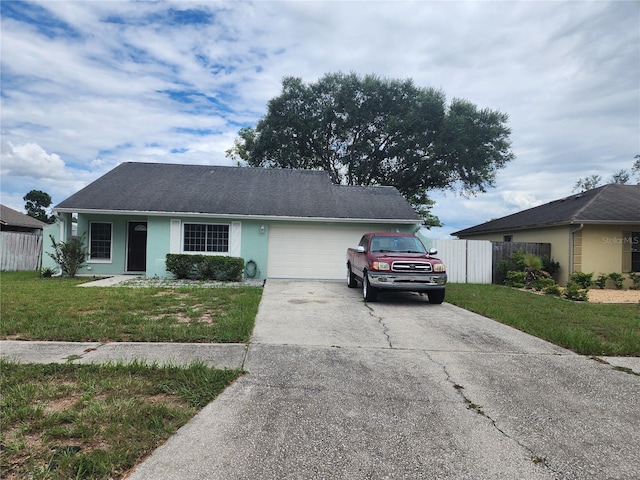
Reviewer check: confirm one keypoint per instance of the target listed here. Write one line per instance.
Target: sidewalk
(217, 355)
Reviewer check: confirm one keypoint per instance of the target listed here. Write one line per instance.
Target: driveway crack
(380, 320)
(471, 405)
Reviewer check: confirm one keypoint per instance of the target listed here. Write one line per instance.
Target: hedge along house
(286, 223)
(597, 231)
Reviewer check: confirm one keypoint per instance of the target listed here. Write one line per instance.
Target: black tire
(369, 293)
(351, 279)
(436, 297)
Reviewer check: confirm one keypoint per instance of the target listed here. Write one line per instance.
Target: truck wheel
(368, 292)
(351, 279)
(436, 297)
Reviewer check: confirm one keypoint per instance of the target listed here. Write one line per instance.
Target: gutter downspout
(571, 246)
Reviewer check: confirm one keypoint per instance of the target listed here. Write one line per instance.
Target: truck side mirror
(433, 251)
(360, 249)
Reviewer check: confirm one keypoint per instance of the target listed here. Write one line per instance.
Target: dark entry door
(137, 247)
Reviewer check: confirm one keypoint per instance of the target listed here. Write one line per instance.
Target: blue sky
(88, 85)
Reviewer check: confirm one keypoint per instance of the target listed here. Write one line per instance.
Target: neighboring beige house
(597, 231)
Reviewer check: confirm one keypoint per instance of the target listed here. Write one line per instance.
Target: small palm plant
(533, 269)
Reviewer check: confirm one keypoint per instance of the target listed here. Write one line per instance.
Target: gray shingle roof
(13, 218)
(608, 204)
(242, 191)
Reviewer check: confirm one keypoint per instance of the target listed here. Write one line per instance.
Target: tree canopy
(36, 204)
(373, 131)
(622, 177)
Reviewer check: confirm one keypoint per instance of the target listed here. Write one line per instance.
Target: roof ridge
(589, 202)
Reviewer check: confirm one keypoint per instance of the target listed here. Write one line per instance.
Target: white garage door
(311, 251)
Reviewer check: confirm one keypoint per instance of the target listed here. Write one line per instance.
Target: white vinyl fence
(20, 251)
(467, 261)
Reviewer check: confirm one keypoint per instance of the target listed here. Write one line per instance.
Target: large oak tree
(374, 131)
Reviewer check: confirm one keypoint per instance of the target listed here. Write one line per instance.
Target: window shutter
(174, 237)
(235, 239)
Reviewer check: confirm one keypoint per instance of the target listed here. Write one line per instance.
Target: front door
(137, 247)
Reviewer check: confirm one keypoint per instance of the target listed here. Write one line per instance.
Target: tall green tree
(373, 131)
(622, 177)
(587, 183)
(36, 204)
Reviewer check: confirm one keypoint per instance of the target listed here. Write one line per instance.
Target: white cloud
(123, 83)
(519, 200)
(30, 160)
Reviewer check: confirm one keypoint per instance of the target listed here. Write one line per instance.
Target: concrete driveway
(403, 389)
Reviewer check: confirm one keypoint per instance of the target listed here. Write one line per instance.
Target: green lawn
(35, 308)
(73, 421)
(585, 328)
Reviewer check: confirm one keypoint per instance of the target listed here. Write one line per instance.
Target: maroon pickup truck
(395, 261)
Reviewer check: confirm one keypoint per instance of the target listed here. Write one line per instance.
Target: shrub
(180, 265)
(229, 269)
(542, 283)
(205, 267)
(601, 281)
(550, 266)
(514, 263)
(515, 279)
(617, 279)
(635, 280)
(583, 280)
(47, 272)
(574, 291)
(517, 260)
(70, 256)
(553, 290)
(532, 262)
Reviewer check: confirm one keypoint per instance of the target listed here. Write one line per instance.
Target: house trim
(241, 217)
(577, 223)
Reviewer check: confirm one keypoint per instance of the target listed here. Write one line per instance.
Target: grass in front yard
(35, 308)
(585, 328)
(61, 421)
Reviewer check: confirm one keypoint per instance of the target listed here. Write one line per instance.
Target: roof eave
(404, 221)
(544, 225)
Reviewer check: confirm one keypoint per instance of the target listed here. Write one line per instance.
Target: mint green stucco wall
(253, 241)
(254, 245)
(117, 264)
(60, 229)
(158, 234)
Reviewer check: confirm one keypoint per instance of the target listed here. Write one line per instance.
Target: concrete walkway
(109, 281)
(396, 389)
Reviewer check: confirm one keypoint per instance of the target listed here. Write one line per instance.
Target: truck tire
(436, 297)
(369, 293)
(351, 279)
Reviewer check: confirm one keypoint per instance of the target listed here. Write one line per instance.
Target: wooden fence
(504, 250)
(476, 261)
(20, 251)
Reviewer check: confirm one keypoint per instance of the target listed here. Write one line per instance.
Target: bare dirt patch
(613, 296)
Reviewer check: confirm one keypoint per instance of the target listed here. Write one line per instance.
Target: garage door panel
(310, 251)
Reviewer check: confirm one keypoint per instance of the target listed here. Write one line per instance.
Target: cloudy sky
(86, 85)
